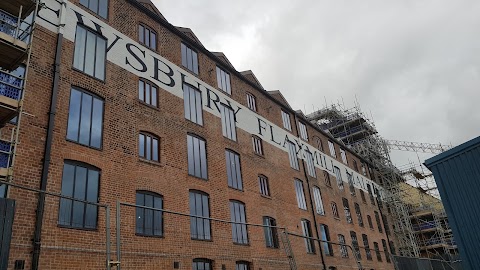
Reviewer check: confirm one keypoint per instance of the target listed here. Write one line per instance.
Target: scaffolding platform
(13, 6)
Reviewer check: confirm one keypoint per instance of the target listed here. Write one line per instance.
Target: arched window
(199, 206)
(148, 146)
(149, 222)
(80, 181)
(238, 217)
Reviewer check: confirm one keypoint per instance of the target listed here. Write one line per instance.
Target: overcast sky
(413, 64)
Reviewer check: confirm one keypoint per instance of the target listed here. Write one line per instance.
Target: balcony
(5, 160)
(11, 85)
(14, 39)
(424, 226)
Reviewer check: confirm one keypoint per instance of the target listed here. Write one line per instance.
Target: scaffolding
(429, 220)
(356, 131)
(17, 24)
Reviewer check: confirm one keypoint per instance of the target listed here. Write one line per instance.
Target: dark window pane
(74, 115)
(103, 8)
(90, 53)
(141, 145)
(85, 120)
(100, 58)
(97, 119)
(79, 55)
(65, 212)
(140, 218)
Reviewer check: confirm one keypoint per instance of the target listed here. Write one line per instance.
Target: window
(343, 247)
(319, 143)
(364, 171)
(147, 93)
(377, 251)
(251, 102)
(367, 247)
(149, 222)
(286, 121)
(359, 214)
(197, 157)
(192, 102)
(264, 188)
(242, 265)
(346, 208)
(189, 58)
(234, 171)
(351, 186)
(338, 175)
(392, 247)
(385, 249)
(237, 215)
(355, 166)
(257, 145)
(223, 80)
(307, 232)
(292, 155)
(325, 236)
(99, 7)
(334, 210)
(202, 264)
(85, 119)
(317, 196)
(379, 223)
(90, 52)
(331, 146)
(80, 182)
(271, 236)
(355, 246)
(362, 194)
(147, 36)
(303, 131)
(300, 195)
(199, 206)
(385, 224)
(310, 164)
(343, 154)
(326, 175)
(370, 223)
(148, 147)
(370, 192)
(228, 122)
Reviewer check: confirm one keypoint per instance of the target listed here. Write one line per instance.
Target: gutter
(311, 202)
(37, 237)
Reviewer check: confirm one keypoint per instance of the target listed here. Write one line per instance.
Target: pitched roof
(248, 74)
(276, 94)
(188, 32)
(148, 4)
(223, 58)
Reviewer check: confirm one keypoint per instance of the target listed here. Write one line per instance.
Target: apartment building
(128, 144)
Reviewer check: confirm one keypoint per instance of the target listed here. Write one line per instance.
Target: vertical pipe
(118, 233)
(311, 201)
(37, 237)
(107, 231)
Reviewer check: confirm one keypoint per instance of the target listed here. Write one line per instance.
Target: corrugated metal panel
(457, 174)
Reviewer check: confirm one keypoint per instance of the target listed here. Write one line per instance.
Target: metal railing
(14, 26)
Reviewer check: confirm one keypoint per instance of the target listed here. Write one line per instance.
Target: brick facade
(123, 172)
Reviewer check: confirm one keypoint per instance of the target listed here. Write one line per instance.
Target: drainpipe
(311, 200)
(48, 144)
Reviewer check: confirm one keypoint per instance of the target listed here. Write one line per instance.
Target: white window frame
(229, 128)
(338, 176)
(303, 131)
(257, 145)
(251, 102)
(310, 164)
(192, 102)
(331, 147)
(223, 81)
(317, 196)
(292, 155)
(301, 202)
(343, 154)
(286, 121)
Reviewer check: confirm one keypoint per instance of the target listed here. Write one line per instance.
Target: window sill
(149, 236)
(259, 155)
(154, 163)
(199, 178)
(88, 146)
(266, 197)
(77, 228)
(241, 244)
(336, 218)
(148, 105)
(241, 190)
(91, 76)
(201, 240)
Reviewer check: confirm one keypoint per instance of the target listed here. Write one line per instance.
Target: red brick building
(122, 108)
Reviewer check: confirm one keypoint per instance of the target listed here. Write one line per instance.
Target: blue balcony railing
(5, 150)
(12, 26)
(423, 226)
(10, 85)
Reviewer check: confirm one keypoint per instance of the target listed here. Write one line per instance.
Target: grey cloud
(414, 64)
